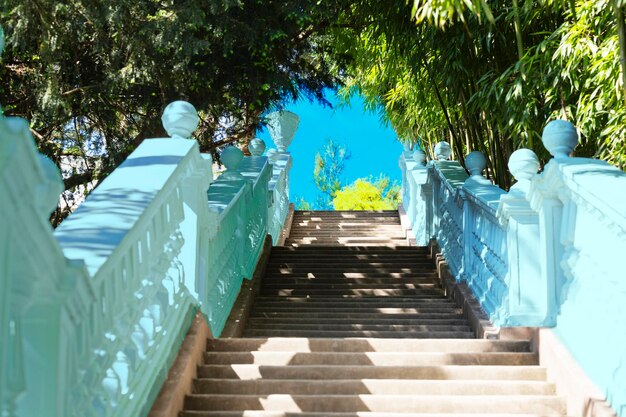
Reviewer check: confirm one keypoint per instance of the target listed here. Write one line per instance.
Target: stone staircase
(352, 321)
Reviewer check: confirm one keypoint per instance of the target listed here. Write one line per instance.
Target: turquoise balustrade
(550, 252)
(92, 314)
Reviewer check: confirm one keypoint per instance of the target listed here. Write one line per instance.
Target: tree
(327, 173)
(446, 70)
(370, 194)
(93, 76)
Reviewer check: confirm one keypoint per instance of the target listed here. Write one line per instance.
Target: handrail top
(96, 229)
(600, 184)
(454, 174)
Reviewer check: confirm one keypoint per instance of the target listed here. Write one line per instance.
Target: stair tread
(368, 345)
(264, 413)
(289, 358)
(352, 321)
(385, 403)
(373, 386)
(330, 372)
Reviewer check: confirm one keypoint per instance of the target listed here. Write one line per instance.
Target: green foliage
(301, 204)
(329, 166)
(366, 194)
(491, 83)
(95, 75)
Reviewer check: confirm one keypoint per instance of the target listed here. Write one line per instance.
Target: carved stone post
(559, 138)
(180, 120)
(420, 204)
(531, 296)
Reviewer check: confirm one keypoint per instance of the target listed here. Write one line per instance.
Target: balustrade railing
(92, 314)
(550, 252)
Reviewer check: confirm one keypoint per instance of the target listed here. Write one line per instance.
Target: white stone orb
(443, 151)
(419, 156)
(180, 119)
(272, 155)
(560, 138)
(256, 147)
(231, 157)
(523, 164)
(475, 162)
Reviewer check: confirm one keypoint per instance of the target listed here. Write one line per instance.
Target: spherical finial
(419, 156)
(231, 157)
(272, 155)
(475, 163)
(523, 164)
(443, 151)
(256, 147)
(560, 138)
(180, 119)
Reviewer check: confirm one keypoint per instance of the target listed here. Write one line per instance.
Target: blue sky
(374, 148)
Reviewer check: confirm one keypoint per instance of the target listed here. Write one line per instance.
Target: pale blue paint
(92, 316)
(548, 253)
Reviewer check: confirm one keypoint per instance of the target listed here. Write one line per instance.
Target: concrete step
(342, 262)
(289, 279)
(259, 413)
(355, 292)
(290, 358)
(426, 286)
(338, 277)
(353, 250)
(269, 324)
(390, 245)
(356, 302)
(258, 321)
(383, 403)
(406, 334)
(326, 372)
(372, 386)
(347, 312)
(331, 240)
(357, 317)
(308, 228)
(276, 270)
(363, 274)
(396, 232)
(366, 345)
(350, 259)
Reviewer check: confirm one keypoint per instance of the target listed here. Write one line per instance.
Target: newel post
(559, 137)
(419, 195)
(531, 295)
(180, 119)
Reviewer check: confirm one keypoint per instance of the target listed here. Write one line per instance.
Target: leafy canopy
(365, 194)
